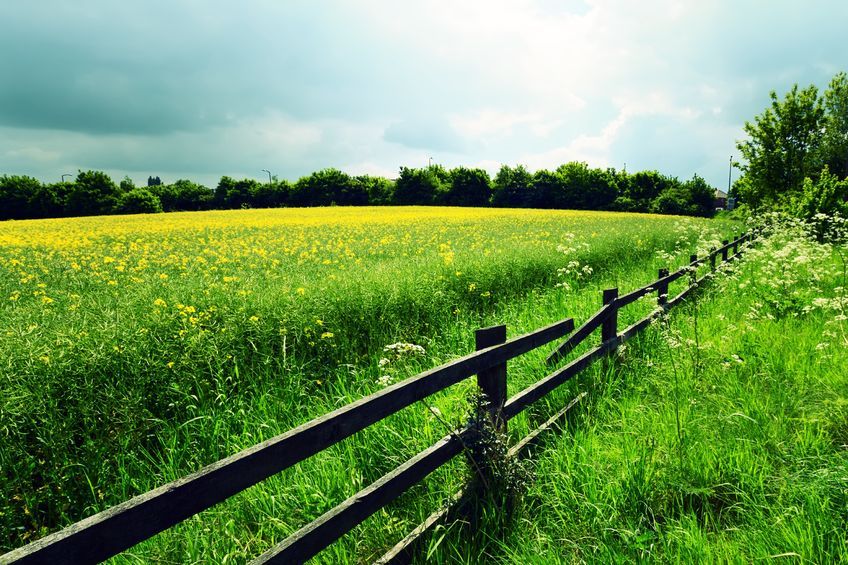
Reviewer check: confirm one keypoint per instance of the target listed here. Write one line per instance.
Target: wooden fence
(114, 530)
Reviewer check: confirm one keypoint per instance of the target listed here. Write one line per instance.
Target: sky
(203, 88)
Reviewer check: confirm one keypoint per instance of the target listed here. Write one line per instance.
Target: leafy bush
(138, 201)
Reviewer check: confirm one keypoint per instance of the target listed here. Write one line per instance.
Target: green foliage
(691, 198)
(380, 190)
(571, 186)
(586, 188)
(328, 187)
(126, 184)
(275, 194)
(644, 186)
(835, 142)
(138, 201)
(16, 193)
(183, 195)
(50, 200)
(827, 196)
(419, 186)
(783, 146)
(231, 193)
(512, 187)
(761, 394)
(468, 187)
(216, 349)
(93, 193)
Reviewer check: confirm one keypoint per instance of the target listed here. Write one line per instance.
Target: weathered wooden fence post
(609, 328)
(736, 244)
(712, 258)
(662, 288)
(493, 381)
(724, 250)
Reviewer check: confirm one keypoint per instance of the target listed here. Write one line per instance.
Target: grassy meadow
(719, 436)
(137, 349)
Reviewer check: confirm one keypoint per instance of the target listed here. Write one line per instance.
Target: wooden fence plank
(107, 533)
(581, 334)
(534, 392)
(312, 538)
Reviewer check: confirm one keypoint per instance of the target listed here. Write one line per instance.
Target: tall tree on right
(835, 142)
(784, 146)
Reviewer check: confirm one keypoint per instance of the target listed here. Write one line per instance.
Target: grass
(138, 349)
(720, 436)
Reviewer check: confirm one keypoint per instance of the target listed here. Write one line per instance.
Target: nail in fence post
(712, 258)
(493, 381)
(662, 288)
(724, 250)
(609, 329)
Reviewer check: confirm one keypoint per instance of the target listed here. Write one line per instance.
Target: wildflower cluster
(396, 354)
(574, 270)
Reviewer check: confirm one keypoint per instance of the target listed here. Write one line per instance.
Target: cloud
(206, 88)
(434, 135)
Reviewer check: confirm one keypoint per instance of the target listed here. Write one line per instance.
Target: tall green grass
(721, 435)
(108, 393)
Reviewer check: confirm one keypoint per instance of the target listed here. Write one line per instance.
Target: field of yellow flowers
(136, 349)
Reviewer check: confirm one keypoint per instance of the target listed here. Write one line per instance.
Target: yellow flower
(160, 303)
(327, 335)
(254, 319)
(301, 291)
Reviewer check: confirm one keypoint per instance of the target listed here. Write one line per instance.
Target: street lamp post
(66, 175)
(729, 171)
(269, 175)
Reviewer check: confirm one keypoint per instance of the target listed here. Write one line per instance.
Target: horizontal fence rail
(107, 533)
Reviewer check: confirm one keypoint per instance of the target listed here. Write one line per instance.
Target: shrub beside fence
(114, 530)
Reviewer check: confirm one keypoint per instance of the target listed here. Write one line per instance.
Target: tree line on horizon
(573, 185)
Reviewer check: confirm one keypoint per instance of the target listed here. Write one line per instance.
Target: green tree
(512, 187)
(16, 194)
(93, 193)
(326, 187)
(586, 188)
(51, 200)
(138, 201)
(469, 187)
(835, 142)
(691, 198)
(126, 184)
(783, 146)
(701, 195)
(418, 186)
(272, 195)
(231, 193)
(183, 195)
(642, 189)
(826, 195)
(548, 190)
(380, 190)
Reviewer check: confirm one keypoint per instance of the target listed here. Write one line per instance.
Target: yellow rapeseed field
(119, 331)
